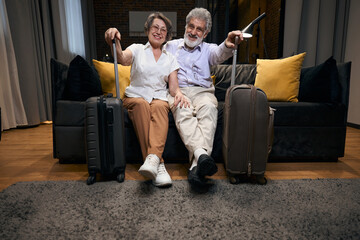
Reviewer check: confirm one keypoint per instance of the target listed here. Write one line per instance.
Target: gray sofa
(312, 130)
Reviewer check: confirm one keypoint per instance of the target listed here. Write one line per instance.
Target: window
(74, 27)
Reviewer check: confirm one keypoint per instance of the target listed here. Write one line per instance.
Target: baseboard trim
(353, 125)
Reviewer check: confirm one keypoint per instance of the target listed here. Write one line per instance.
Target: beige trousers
(151, 123)
(197, 124)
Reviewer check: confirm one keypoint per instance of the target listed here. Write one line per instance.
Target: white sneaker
(162, 179)
(150, 167)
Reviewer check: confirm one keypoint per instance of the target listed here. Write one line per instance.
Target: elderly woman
(146, 96)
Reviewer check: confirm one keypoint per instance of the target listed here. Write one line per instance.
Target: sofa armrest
(70, 113)
(344, 70)
(68, 130)
(59, 72)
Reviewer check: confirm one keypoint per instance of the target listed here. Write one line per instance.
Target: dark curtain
(318, 27)
(37, 29)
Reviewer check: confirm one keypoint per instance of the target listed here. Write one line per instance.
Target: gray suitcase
(247, 131)
(105, 143)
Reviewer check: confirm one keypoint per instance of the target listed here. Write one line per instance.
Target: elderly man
(197, 124)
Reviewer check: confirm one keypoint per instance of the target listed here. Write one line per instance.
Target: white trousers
(196, 125)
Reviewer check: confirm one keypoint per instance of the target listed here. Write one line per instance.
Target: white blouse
(149, 78)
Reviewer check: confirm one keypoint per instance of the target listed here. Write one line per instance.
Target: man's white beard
(190, 43)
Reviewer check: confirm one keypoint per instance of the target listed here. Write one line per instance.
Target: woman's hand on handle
(123, 57)
(110, 34)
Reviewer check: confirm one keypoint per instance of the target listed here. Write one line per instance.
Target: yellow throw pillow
(280, 78)
(107, 77)
(213, 77)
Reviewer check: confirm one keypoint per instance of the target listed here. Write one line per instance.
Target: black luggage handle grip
(116, 71)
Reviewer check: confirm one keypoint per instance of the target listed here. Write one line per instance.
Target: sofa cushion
(107, 77)
(308, 144)
(245, 74)
(82, 81)
(320, 83)
(279, 78)
(308, 114)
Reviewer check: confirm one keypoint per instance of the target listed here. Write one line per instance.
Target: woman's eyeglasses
(156, 28)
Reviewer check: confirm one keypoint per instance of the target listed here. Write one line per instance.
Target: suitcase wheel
(91, 180)
(234, 180)
(120, 177)
(260, 179)
(238, 178)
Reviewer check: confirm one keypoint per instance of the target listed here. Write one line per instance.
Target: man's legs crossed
(206, 113)
(197, 125)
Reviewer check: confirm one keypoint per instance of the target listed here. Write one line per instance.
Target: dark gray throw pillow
(59, 72)
(320, 83)
(82, 81)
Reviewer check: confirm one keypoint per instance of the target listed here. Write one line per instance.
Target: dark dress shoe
(206, 166)
(194, 178)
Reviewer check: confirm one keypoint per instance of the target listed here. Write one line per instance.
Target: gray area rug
(282, 209)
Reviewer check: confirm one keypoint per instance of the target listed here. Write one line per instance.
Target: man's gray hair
(200, 13)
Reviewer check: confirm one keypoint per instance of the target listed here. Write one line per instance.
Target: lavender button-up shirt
(195, 64)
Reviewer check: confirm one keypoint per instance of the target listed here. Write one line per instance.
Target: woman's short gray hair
(159, 15)
(200, 13)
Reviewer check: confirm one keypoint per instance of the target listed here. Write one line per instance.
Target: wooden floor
(26, 155)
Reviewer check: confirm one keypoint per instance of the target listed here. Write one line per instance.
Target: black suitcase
(105, 141)
(247, 131)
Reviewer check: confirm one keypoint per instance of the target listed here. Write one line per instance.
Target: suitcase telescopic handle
(116, 71)
(234, 61)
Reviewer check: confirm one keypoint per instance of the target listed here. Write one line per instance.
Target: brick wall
(112, 13)
(115, 13)
(248, 10)
(272, 29)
